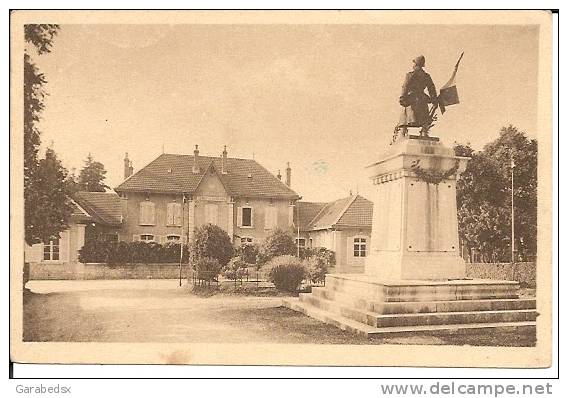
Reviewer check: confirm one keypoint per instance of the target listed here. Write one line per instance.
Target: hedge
(97, 251)
(525, 273)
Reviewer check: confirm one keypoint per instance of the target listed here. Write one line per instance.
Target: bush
(248, 253)
(236, 269)
(326, 255)
(212, 242)
(316, 268)
(99, 251)
(279, 243)
(207, 268)
(286, 272)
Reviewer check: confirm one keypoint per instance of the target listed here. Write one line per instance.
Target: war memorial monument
(415, 280)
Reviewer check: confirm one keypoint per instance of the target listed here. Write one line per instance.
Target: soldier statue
(414, 100)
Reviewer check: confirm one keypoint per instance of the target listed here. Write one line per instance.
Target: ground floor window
(301, 242)
(51, 250)
(173, 238)
(360, 247)
(246, 240)
(111, 237)
(147, 238)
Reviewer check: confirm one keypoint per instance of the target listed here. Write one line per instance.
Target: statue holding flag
(413, 99)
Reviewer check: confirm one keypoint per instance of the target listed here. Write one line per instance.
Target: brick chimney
(196, 160)
(224, 161)
(288, 175)
(128, 169)
(279, 176)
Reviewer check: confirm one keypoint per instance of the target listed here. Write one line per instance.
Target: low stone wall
(44, 271)
(525, 272)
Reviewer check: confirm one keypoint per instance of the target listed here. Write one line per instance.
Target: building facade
(175, 194)
(343, 226)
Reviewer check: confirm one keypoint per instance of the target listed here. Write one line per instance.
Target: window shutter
(239, 216)
(170, 214)
(64, 247)
(142, 214)
(177, 214)
(251, 217)
(152, 215)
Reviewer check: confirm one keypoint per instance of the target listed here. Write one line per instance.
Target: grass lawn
(160, 311)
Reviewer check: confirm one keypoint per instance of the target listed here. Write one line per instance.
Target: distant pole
(512, 210)
(181, 238)
(298, 226)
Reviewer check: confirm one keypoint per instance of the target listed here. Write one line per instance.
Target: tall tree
(92, 176)
(43, 220)
(50, 207)
(484, 196)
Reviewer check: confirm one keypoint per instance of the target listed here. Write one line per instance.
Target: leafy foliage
(46, 208)
(47, 205)
(278, 243)
(207, 268)
(212, 242)
(286, 272)
(248, 253)
(92, 176)
(484, 196)
(235, 269)
(113, 252)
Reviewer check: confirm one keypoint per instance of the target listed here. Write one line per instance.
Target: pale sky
(323, 97)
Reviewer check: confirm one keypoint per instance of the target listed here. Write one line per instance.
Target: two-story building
(175, 194)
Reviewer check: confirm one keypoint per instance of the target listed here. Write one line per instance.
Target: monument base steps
(369, 306)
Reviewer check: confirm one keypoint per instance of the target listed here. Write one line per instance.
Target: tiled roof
(359, 214)
(306, 212)
(353, 211)
(173, 173)
(78, 213)
(103, 207)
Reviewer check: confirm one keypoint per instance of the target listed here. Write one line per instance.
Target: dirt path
(161, 311)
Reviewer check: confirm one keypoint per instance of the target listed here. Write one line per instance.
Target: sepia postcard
(346, 188)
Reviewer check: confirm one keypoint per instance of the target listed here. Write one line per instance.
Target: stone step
(345, 323)
(424, 306)
(424, 293)
(413, 319)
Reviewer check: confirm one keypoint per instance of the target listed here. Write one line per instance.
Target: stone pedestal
(414, 280)
(415, 231)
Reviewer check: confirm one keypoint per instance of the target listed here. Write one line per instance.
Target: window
(301, 242)
(244, 217)
(51, 250)
(174, 214)
(147, 238)
(360, 247)
(246, 240)
(212, 214)
(111, 237)
(147, 213)
(173, 238)
(270, 217)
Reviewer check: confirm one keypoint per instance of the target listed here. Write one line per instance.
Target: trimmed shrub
(99, 251)
(286, 272)
(236, 269)
(278, 243)
(207, 268)
(212, 242)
